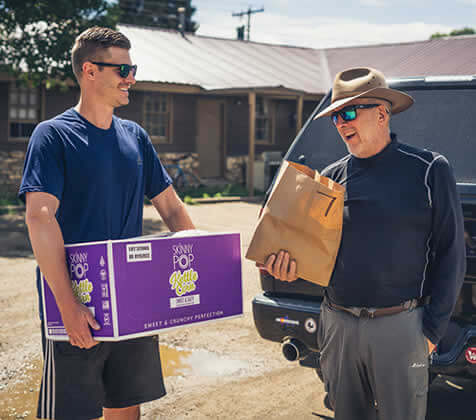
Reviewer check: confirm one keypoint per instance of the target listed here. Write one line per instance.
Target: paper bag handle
(323, 180)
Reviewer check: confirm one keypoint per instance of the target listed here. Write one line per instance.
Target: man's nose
(130, 78)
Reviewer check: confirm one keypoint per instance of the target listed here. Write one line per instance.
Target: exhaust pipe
(294, 350)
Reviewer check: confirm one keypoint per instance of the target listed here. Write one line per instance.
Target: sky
(335, 23)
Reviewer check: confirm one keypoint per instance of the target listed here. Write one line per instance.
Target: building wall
(284, 125)
(3, 114)
(184, 129)
(57, 101)
(184, 125)
(237, 126)
(183, 120)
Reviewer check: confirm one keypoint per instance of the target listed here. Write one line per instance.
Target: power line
(248, 12)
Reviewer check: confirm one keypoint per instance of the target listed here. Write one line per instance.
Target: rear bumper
(454, 360)
(278, 319)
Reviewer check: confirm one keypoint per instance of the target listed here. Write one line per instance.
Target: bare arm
(48, 246)
(172, 210)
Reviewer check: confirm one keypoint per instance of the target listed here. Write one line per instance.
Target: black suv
(440, 120)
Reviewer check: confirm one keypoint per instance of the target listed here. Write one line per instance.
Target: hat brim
(400, 101)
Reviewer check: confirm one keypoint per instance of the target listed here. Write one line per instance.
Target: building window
(24, 110)
(263, 129)
(157, 109)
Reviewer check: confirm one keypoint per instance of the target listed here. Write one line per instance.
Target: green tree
(36, 36)
(159, 13)
(456, 32)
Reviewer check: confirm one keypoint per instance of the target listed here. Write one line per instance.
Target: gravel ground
(220, 370)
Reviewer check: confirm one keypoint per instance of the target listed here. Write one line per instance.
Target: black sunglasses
(124, 69)
(349, 113)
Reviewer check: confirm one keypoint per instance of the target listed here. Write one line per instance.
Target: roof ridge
(190, 34)
(389, 44)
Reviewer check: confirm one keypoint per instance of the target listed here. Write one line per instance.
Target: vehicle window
(440, 120)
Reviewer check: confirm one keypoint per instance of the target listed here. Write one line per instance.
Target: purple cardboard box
(139, 286)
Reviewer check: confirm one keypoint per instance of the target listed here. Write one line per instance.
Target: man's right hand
(77, 321)
(280, 266)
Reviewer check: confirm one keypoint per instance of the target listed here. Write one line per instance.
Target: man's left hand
(431, 346)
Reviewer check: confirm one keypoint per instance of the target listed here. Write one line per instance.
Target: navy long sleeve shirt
(403, 233)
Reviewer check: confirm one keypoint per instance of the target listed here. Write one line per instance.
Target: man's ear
(88, 70)
(382, 113)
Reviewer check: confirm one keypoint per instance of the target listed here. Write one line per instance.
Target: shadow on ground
(149, 226)
(14, 242)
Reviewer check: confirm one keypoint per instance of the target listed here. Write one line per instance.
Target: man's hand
(77, 320)
(431, 346)
(280, 266)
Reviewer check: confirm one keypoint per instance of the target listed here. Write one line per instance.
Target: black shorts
(78, 383)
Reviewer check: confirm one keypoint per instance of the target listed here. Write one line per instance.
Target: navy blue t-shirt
(99, 176)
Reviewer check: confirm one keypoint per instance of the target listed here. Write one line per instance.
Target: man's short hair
(92, 43)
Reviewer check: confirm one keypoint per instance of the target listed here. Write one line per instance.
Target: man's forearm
(48, 247)
(172, 210)
(179, 219)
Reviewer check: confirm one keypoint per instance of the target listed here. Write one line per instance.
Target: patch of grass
(9, 199)
(188, 200)
(229, 190)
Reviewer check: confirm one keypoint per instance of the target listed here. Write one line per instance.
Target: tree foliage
(158, 13)
(456, 32)
(36, 36)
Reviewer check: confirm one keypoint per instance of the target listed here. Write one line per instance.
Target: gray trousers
(374, 368)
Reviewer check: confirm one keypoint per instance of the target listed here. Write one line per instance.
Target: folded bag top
(303, 216)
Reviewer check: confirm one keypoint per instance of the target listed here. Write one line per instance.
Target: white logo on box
(179, 302)
(139, 252)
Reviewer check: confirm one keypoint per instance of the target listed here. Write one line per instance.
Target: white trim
(53, 384)
(430, 203)
(426, 179)
(340, 161)
(112, 290)
(169, 236)
(86, 243)
(43, 380)
(428, 249)
(414, 155)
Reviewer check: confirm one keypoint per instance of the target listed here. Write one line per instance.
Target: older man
(401, 262)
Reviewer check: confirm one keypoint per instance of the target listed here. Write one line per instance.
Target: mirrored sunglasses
(349, 113)
(124, 69)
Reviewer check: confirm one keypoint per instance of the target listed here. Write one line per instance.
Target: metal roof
(441, 56)
(166, 56)
(212, 63)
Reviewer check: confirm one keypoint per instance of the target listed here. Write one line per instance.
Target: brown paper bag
(303, 216)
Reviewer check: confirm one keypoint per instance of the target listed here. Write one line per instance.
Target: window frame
(269, 115)
(28, 106)
(168, 138)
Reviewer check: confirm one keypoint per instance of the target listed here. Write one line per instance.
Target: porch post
(251, 145)
(299, 108)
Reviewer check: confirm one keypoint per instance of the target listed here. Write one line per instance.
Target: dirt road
(221, 370)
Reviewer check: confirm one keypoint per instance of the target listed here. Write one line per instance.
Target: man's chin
(123, 102)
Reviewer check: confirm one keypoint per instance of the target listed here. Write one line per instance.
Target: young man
(401, 262)
(85, 176)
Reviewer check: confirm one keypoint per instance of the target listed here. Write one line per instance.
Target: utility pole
(248, 12)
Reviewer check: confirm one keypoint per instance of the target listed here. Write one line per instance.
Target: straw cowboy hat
(364, 82)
